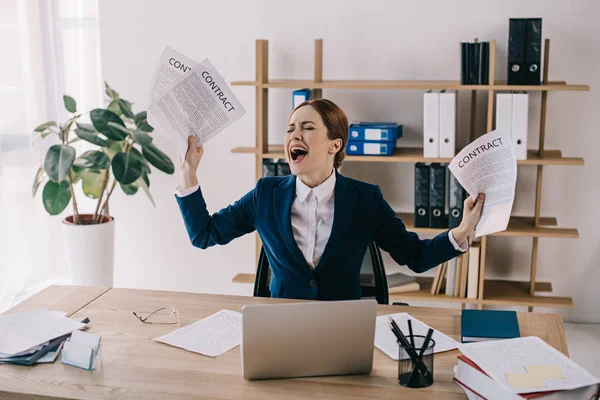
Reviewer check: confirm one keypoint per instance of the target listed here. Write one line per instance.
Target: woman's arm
(405, 247)
(223, 226)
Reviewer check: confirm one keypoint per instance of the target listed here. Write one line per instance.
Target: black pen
(410, 332)
(420, 356)
(411, 351)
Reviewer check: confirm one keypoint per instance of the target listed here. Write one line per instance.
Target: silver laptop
(308, 339)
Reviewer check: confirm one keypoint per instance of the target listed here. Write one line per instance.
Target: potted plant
(123, 157)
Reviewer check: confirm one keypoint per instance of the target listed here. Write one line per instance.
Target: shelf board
(415, 154)
(498, 292)
(406, 85)
(517, 226)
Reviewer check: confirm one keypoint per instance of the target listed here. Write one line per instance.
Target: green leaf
(157, 158)
(125, 107)
(145, 178)
(59, 160)
(85, 127)
(77, 173)
(110, 92)
(40, 176)
(141, 116)
(93, 159)
(100, 119)
(126, 168)
(145, 127)
(141, 137)
(114, 148)
(43, 127)
(145, 185)
(125, 130)
(114, 107)
(134, 152)
(91, 184)
(91, 137)
(70, 103)
(129, 189)
(56, 197)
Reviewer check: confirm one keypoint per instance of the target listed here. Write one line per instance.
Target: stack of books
(373, 138)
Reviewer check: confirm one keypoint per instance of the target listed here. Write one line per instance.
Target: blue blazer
(361, 215)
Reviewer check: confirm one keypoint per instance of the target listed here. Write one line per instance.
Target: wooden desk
(133, 365)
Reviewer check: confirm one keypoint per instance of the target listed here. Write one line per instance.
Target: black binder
(422, 195)
(533, 53)
(437, 196)
(283, 168)
(456, 198)
(464, 64)
(269, 168)
(524, 51)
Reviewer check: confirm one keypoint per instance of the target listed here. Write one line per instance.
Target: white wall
(362, 40)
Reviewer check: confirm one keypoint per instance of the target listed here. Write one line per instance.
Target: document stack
(35, 336)
(373, 138)
(521, 368)
(475, 63)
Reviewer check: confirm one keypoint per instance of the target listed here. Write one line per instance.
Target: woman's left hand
(471, 215)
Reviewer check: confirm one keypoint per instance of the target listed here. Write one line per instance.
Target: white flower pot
(90, 251)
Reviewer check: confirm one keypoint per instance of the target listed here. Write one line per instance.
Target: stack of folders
(512, 116)
(521, 368)
(475, 63)
(275, 167)
(433, 185)
(439, 125)
(300, 96)
(373, 138)
(34, 337)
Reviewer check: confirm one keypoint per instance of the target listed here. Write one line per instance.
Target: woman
(316, 224)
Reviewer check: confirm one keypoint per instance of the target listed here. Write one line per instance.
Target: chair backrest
(372, 275)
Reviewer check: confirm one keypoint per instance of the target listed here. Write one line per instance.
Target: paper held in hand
(190, 99)
(488, 165)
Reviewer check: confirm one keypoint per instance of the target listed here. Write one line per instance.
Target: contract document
(488, 165)
(190, 99)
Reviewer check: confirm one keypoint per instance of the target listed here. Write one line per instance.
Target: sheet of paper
(386, 341)
(197, 102)
(27, 332)
(488, 165)
(503, 358)
(210, 336)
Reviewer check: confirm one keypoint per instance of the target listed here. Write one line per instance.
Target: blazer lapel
(345, 199)
(283, 198)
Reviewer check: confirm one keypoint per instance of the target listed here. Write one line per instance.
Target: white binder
(504, 113)
(447, 121)
(520, 114)
(431, 129)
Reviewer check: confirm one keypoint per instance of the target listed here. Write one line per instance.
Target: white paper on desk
(488, 165)
(387, 342)
(210, 336)
(499, 357)
(23, 333)
(199, 103)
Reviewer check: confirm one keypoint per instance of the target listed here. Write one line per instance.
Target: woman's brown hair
(335, 121)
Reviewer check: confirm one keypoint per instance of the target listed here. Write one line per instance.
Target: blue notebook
(483, 325)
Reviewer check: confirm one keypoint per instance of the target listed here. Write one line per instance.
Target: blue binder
(375, 131)
(300, 96)
(483, 325)
(354, 148)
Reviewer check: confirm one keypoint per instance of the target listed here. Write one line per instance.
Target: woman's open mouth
(298, 153)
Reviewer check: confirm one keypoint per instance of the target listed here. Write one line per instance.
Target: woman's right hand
(189, 165)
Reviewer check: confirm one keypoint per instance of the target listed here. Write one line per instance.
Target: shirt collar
(320, 191)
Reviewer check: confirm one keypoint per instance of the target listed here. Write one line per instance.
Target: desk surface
(133, 365)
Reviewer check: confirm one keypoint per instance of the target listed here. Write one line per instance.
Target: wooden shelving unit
(491, 292)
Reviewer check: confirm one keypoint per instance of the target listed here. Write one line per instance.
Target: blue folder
(483, 325)
(375, 131)
(370, 148)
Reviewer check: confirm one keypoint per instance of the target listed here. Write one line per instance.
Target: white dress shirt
(312, 218)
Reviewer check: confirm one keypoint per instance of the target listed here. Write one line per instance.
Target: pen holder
(410, 373)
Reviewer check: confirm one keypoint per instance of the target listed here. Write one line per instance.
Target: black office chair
(373, 278)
